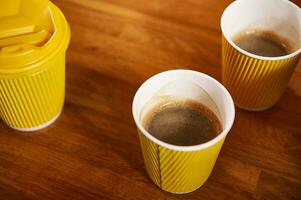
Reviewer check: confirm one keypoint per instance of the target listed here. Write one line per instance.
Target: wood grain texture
(93, 151)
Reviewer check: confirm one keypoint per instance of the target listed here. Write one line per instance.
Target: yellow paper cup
(33, 44)
(182, 169)
(257, 82)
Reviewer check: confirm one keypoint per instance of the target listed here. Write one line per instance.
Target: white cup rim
(296, 52)
(198, 147)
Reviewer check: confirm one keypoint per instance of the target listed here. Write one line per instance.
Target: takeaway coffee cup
(182, 169)
(257, 82)
(34, 36)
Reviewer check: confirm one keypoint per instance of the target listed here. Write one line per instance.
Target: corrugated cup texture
(254, 84)
(178, 171)
(31, 100)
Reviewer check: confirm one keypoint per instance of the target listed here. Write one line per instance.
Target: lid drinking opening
(25, 23)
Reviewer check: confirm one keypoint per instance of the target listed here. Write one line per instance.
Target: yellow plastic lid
(29, 31)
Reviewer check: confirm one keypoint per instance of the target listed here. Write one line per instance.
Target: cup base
(36, 128)
(183, 192)
(254, 109)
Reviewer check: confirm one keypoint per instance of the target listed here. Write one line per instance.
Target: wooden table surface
(93, 151)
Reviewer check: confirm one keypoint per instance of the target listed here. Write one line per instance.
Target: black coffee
(182, 123)
(262, 43)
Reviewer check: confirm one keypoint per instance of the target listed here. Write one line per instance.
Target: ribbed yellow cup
(178, 171)
(254, 84)
(32, 84)
(181, 169)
